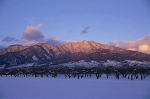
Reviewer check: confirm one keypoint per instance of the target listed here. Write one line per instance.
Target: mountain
(42, 53)
(12, 48)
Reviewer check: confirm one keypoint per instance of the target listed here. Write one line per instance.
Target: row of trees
(134, 72)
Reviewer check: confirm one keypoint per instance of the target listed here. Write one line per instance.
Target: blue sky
(107, 20)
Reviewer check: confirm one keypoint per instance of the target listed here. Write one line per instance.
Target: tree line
(129, 72)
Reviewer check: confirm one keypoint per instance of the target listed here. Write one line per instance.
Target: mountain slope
(12, 48)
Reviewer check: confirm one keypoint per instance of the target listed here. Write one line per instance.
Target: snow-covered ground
(106, 63)
(61, 88)
(92, 63)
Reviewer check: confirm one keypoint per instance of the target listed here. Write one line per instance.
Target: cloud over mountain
(33, 35)
(141, 45)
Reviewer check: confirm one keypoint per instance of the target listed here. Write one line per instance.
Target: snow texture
(60, 88)
(81, 63)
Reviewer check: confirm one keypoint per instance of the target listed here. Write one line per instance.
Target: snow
(46, 49)
(91, 63)
(34, 58)
(81, 63)
(23, 65)
(111, 63)
(106, 63)
(61, 88)
(138, 63)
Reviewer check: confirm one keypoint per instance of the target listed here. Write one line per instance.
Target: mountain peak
(86, 46)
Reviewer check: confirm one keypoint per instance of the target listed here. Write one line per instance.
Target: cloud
(141, 45)
(144, 48)
(9, 39)
(33, 35)
(85, 30)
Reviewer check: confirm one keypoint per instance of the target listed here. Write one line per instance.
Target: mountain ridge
(67, 52)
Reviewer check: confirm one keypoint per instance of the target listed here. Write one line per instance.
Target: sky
(122, 23)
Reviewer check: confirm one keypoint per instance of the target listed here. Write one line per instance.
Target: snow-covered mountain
(84, 52)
